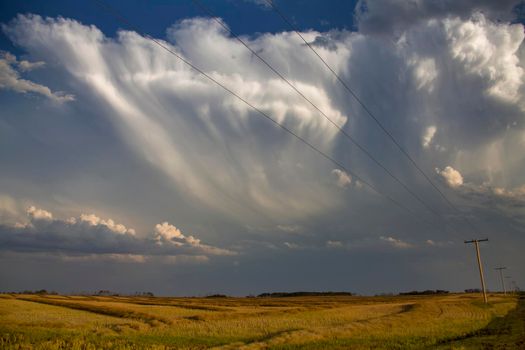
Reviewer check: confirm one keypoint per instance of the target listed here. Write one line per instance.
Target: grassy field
(337, 322)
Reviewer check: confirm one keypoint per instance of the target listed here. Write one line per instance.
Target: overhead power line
(261, 113)
(369, 113)
(330, 120)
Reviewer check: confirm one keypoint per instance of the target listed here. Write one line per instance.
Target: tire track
(285, 337)
(151, 320)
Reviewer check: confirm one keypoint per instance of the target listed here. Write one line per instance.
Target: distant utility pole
(510, 288)
(476, 243)
(500, 269)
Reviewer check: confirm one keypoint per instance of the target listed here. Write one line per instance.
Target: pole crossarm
(477, 240)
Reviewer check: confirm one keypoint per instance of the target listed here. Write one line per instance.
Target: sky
(124, 169)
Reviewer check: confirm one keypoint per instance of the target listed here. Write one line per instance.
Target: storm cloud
(445, 78)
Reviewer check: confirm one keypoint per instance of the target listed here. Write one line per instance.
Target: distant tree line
(101, 292)
(38, 292)
(473, 290)
(302, 294)
(113, 294)
(426, 292)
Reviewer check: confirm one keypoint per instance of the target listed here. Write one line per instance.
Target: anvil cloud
(143, 137)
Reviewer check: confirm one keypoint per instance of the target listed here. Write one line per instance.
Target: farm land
(455, 321)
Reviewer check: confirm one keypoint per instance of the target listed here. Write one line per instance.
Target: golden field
(456, 321)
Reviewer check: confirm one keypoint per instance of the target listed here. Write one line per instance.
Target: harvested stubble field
(457, 321)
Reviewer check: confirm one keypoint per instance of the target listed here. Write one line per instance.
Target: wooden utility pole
(509, 284)
(501, 277)
(476, 243)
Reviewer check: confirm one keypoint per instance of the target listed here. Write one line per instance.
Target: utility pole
(476, 243)
(509, 284)
(500, 269)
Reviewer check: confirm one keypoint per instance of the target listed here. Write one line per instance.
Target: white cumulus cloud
(39, 214)
(452, 177)
(334, 244)
(88, 236)
(168, 232)
(94, 220)
(343, 180)
(429, 135)
(489, 50)
(396, 242)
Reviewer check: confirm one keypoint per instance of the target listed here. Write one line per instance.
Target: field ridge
(147, 318)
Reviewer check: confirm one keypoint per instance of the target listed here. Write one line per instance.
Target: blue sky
(244, 17)
(123, 169)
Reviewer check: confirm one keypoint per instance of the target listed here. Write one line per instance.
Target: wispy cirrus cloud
(217, 165)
